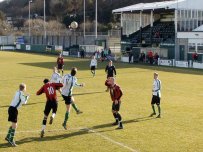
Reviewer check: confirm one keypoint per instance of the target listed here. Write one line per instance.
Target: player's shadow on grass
(80, 64)
(139, 119)
(4, 145)
(84, 65)
(147, 118)
(4, 106)
(80, 94)
(49, 137)
(73, 134)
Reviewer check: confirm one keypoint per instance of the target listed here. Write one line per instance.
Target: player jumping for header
(69, 81)
(50, 90)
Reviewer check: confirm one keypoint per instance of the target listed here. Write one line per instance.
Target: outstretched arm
(40, 91)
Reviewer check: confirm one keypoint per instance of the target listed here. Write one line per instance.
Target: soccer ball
(74, 25)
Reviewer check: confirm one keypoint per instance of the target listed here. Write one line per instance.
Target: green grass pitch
(179, 130)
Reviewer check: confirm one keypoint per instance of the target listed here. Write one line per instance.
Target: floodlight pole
(96, 19)
(44, 19)
(29, 16)
(84, 19)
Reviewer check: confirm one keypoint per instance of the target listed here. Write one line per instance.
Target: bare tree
(6, 29)
(53, 27)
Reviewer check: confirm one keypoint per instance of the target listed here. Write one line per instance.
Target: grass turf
(179, 130)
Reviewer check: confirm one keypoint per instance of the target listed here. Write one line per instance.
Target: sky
(1, 0)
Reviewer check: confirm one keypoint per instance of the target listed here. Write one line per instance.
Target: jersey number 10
(50, 90)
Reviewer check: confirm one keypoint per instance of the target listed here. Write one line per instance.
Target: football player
(156, 95)
(60, 63)
(69, 81)
(19, 99)
(116, 94)
(50, 90)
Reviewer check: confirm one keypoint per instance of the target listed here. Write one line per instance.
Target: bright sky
(1, 0)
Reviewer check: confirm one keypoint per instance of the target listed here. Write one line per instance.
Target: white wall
(192, 35)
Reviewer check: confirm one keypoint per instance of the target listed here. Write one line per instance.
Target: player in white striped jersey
(156, 95)
(69, 81)
(93, 65)
(56, 77)
(19, 99)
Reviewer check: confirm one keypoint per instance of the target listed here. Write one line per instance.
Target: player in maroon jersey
(60, 63)
(115, 93)
(50, 90)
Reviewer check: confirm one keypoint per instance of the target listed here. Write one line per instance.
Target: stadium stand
(174, 27)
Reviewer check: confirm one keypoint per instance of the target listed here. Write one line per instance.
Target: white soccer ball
(74, 25)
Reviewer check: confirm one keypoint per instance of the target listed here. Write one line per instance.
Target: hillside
(65, 11)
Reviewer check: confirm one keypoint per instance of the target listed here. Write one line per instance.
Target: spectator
(142, 57)
(102, 55)
(156, 57)
(150, 56)
(130, 54)
(82, 53)
(109, 52)
(105, 53)
(195, 57)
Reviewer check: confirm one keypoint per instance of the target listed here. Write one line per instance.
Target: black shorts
(93, 67)
(68, 99)
(50, 105)
(12, 114)
(155, 100)
(60, 66)
(109, 76)
(116, 107)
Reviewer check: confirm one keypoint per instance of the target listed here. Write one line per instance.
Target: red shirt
(50, 90)
(60, 60)
(150, 54)
(116, 93)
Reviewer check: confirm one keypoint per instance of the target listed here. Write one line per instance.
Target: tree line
(66, 11)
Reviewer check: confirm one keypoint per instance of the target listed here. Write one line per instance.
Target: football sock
(119, 120)
(44, 122)
(12, 134)
(120, 124)
(119, 117)
(75, 107)
(9, 133)
(53, 115)
(153, 108)
(159, 109)
(43, 127)
(115, 116)
(66, 117)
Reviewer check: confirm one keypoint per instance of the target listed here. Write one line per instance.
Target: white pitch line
(111, 140)
(79, 128)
